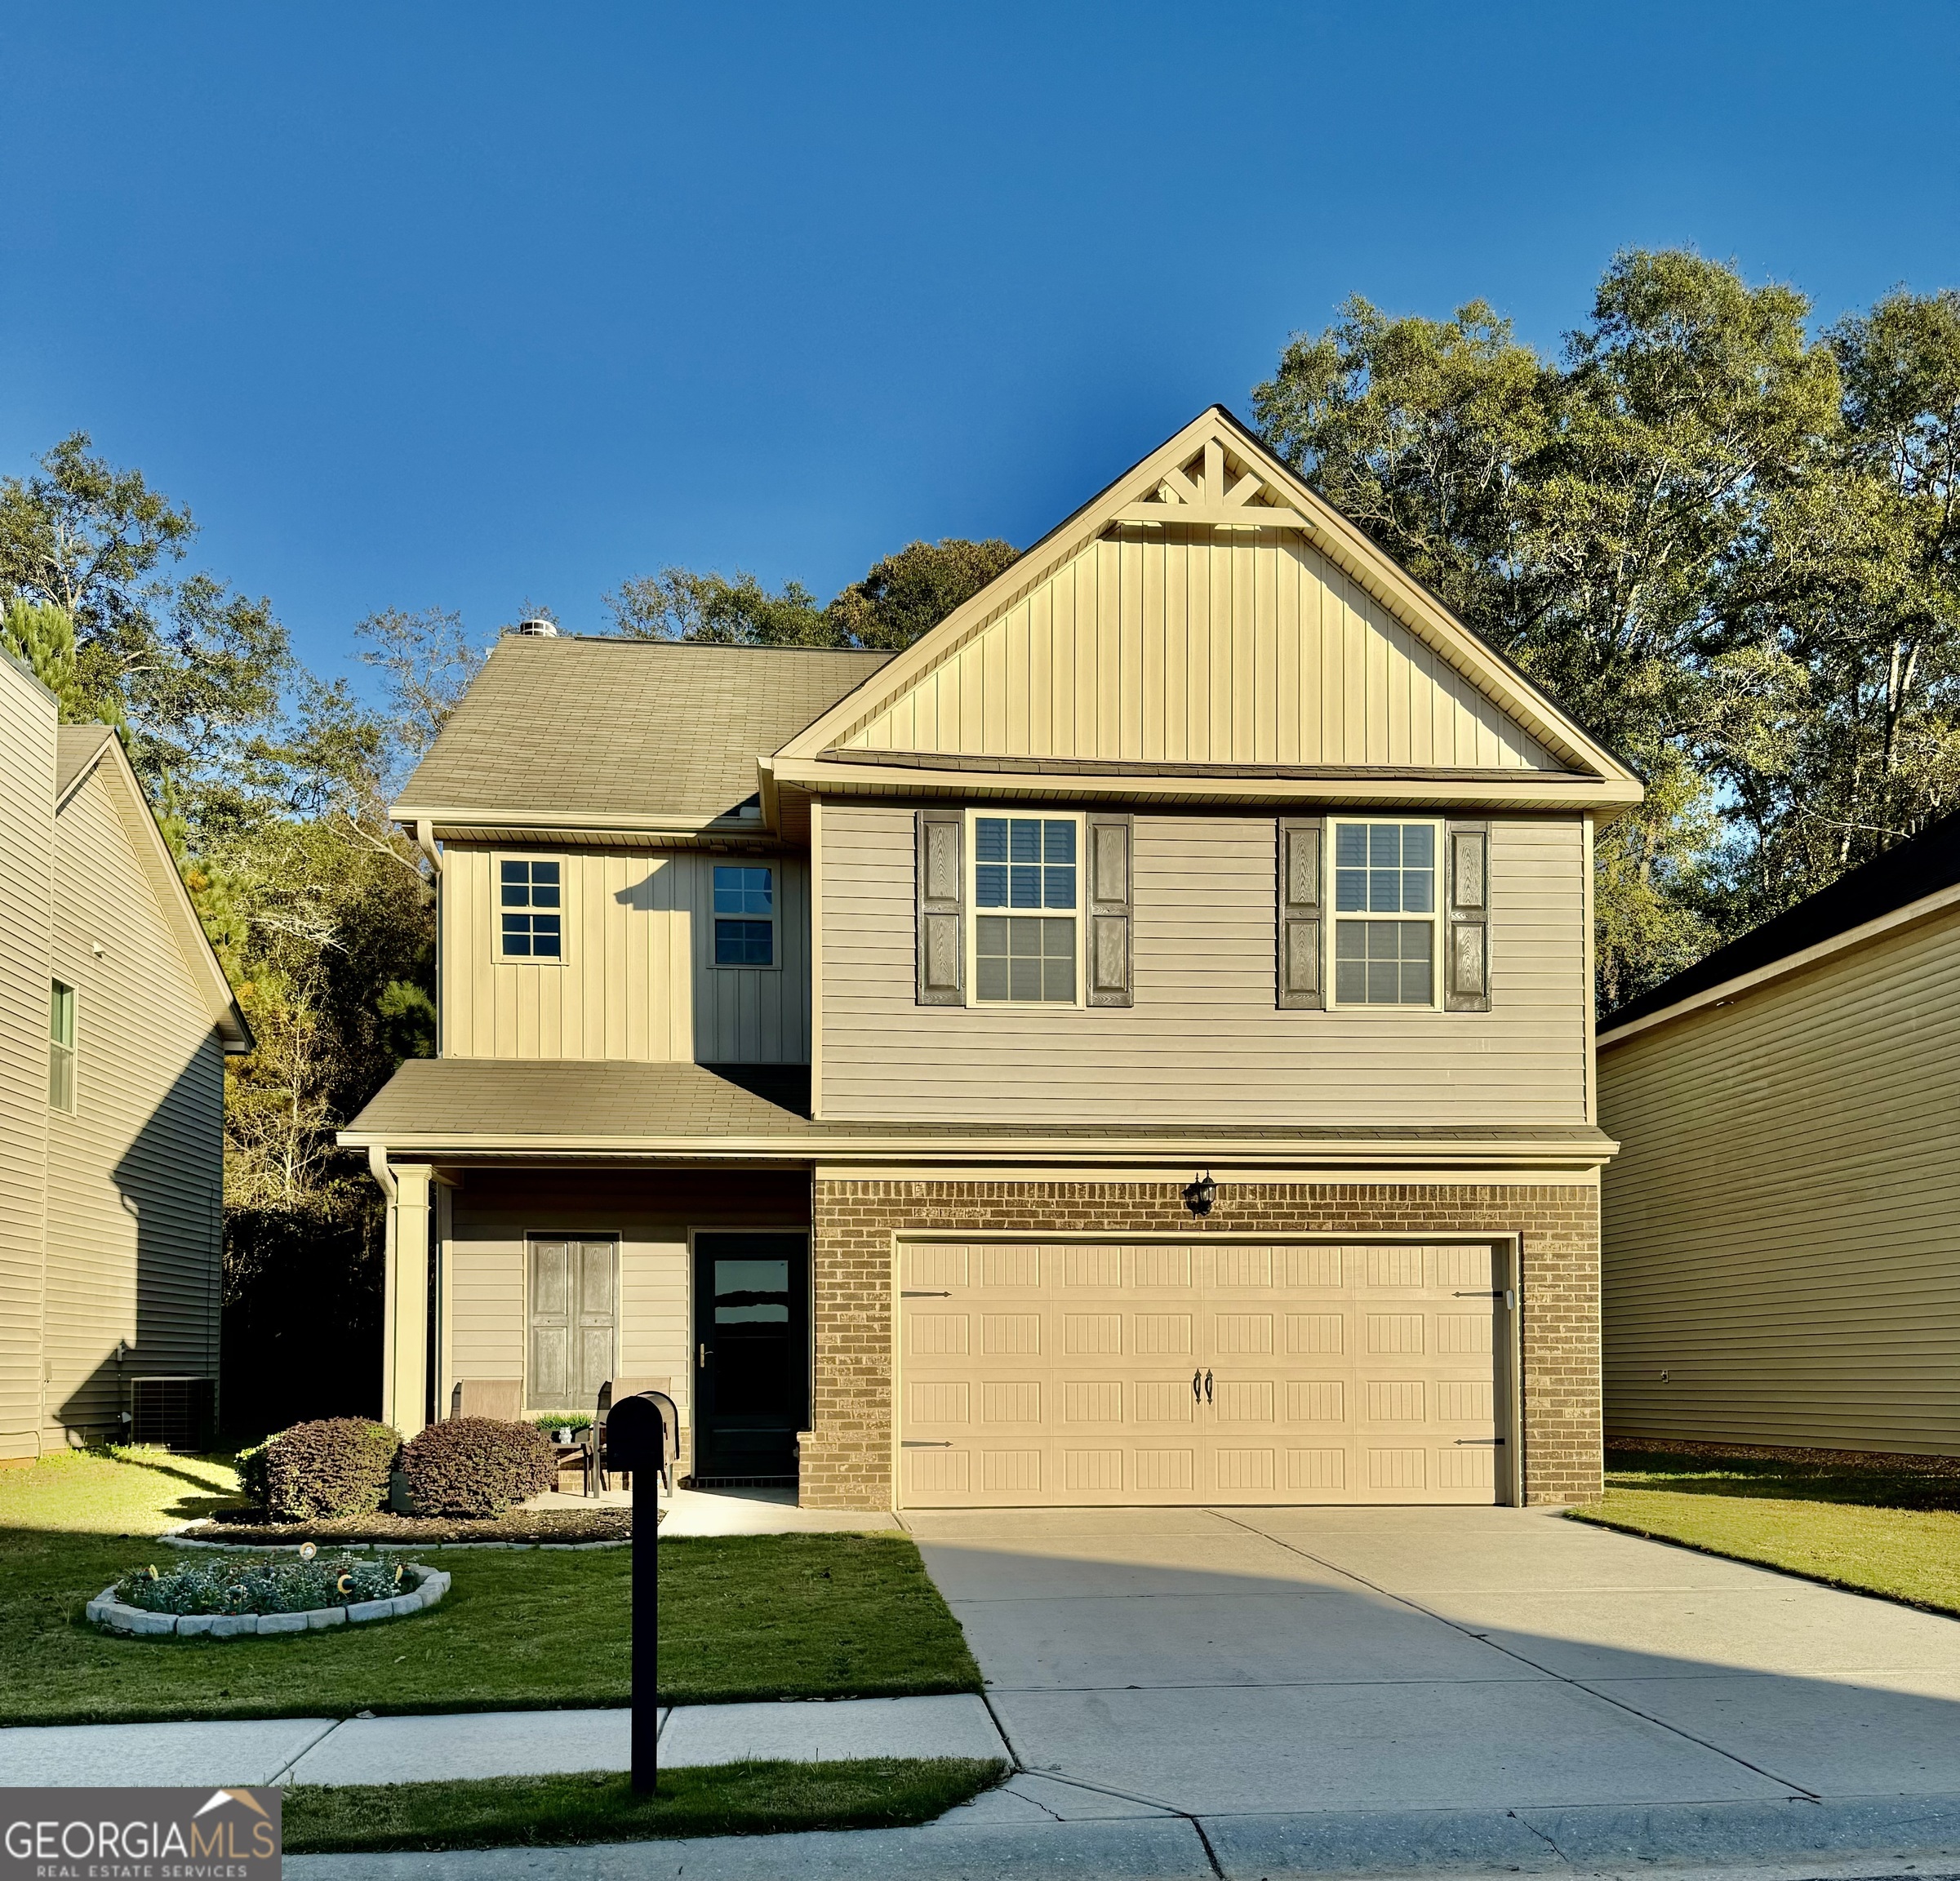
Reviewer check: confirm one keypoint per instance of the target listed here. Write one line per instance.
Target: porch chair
(502, 1399)
(631, 1385)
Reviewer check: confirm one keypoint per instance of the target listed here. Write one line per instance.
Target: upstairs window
(1026, 942)
(1385, 913)
(529, 894)
(744, 916)
(61, 1046)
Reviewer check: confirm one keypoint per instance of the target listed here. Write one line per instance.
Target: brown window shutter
(1300, 905)
(1466, 942)
(942, 949)
(1108, 900)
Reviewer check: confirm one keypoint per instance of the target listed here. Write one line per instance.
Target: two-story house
(115, 1019)
(1134, 1046)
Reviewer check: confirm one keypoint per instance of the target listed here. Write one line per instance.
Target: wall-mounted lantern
(1200, 1193)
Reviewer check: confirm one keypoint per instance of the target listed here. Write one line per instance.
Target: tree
(681, 604)
(426, 660)
(907, 594)
(900, 598)
(1595, 519)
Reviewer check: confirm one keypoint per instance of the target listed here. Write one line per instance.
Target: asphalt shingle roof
(574, 726)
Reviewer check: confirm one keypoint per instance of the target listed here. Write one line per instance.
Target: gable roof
(86, 751)
(1248, 670)
(573, 731)
(1876, 895)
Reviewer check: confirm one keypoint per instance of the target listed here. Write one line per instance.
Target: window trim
(774, 867)
(970, 941)
(65, 1052)
(1330, 894)
(498, 858)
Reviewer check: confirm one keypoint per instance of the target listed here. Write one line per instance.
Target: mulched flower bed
(1889, 1460)
(533, 1527)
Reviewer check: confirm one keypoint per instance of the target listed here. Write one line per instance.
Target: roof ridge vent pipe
(535, 629)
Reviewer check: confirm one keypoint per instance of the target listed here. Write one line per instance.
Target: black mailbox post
(635, 1438)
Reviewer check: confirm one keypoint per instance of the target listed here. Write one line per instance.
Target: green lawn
(542, 1811)
(1893, 1530)
(760, 1617)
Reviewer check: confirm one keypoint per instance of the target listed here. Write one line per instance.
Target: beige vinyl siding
(493, 1214)
(1782, 1225)
(638, 979)
(1203, 1042)
(134, 1175)
(1176, 644)
(27, 789)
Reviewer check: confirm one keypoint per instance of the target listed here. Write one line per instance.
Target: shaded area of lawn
(1888, 1526)
(746, 1616)
(757, 1799)
(756, 1616)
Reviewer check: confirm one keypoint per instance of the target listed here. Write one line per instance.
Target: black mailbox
(636, 1440)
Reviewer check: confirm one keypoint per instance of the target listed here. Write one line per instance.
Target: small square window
(529, 893)
(744, 916)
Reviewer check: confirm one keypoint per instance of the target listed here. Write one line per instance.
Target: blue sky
(461, 306)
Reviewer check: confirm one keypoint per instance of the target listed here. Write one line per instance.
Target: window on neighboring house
(1025, 943)
(744, 916)
(528, 897)
(1385, 913)
(61, 1046)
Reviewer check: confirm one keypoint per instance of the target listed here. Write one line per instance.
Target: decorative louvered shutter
(942, 952)
(1109, 906)
(1466, 959)
(1300, 905)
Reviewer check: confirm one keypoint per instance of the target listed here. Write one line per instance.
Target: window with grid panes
(61, 1046)
(1024, 909)
(1385, 913)
(528, 909)
(744, 916)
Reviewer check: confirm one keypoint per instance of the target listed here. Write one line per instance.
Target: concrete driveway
(1226, 1664)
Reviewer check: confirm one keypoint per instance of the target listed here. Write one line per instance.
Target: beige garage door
(1199, 1371)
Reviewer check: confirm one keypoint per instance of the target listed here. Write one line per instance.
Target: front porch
(559, 1280)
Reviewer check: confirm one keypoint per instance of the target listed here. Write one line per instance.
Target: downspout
(426, 841)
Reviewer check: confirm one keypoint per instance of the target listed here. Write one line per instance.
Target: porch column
(405, 1291)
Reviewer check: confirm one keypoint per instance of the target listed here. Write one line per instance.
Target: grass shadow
(1929, 1483)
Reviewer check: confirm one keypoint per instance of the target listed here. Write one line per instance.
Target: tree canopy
(1725, 542)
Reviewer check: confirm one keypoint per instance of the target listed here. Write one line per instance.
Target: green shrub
(333, 1466)
(477, 1466)
(260, 1585)
(251, 1472)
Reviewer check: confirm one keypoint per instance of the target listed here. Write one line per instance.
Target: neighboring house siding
(134, 1203)
(1203, 1042)
(638, 979)
(493, 1214)
(1782, 1225)
(1254, 649)
(27, 789)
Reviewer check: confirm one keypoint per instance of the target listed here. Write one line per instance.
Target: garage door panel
(1079, 1373)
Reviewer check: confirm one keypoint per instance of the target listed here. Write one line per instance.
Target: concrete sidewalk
(473, 1744)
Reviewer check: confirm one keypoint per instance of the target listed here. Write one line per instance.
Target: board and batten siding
(1203, 1042)
(1176, 644)
(493, 1216)
(28, 716)
(1781, 1228)
(135, 1175)
(639, 980)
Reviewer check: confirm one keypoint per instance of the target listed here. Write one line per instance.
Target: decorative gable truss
(1206, 628)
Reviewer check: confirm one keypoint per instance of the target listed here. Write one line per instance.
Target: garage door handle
(1480, 1292)
(925, 1293)
(1207, 1387)
(1485, 1441)
(920, 1443)
(1197, 1379)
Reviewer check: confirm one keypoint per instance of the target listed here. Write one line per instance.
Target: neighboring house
(1782, 1231)
(114, 1017)
(843, 1039)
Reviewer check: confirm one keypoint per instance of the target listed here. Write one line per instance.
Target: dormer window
(744, 916)
(530, 916)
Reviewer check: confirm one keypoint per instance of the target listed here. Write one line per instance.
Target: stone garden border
(178, 1539)
(105, 1610)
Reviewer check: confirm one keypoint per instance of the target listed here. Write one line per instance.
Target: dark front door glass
(752, 1353)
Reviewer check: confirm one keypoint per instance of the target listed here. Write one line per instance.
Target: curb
(106, 1611)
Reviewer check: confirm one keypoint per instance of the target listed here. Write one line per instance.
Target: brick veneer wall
(846, 1461)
